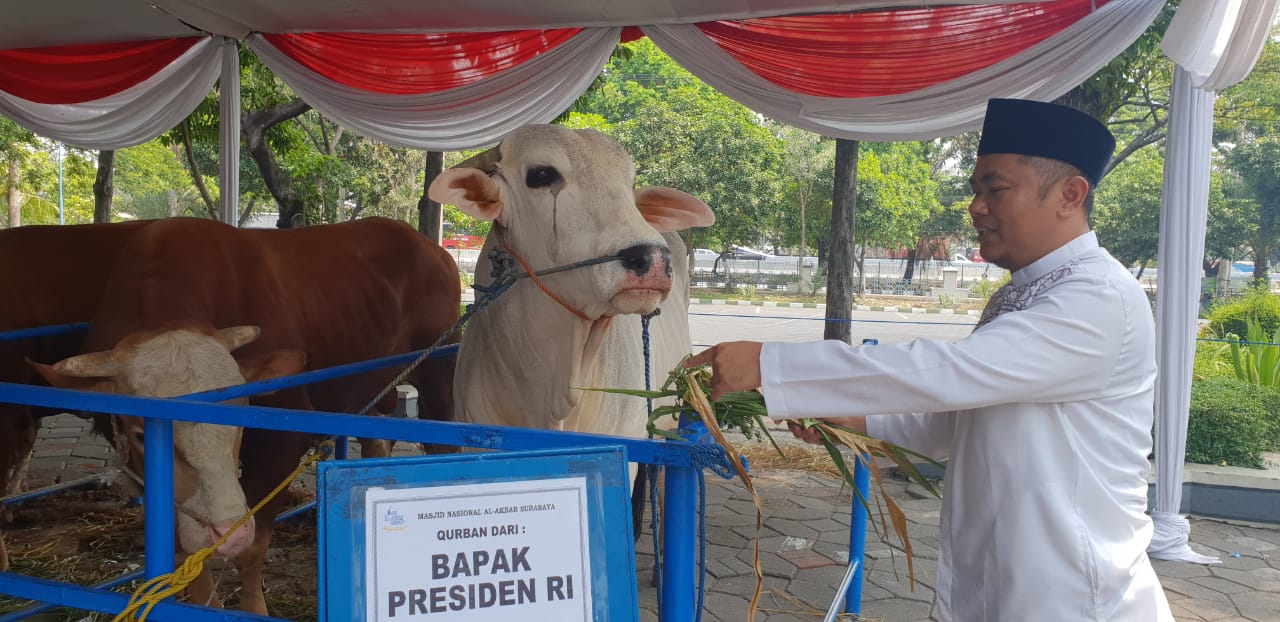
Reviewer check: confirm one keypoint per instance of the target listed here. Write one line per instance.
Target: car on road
(742, 252)
(704, 254)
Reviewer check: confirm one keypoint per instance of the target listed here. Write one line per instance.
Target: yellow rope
(164, 586)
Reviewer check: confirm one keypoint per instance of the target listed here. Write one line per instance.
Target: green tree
(683, 134)
(809, 167)
(897, 195)
(1127, 208)
(152, 182)
(17, 145)
(1252, 107)
(1131, 93)
(1258, 166)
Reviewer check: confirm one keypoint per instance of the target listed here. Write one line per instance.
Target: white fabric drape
(229, 136)
(132, 116)
(1218, 41)
(1184, 213)
(466, 117)
(1044, 72)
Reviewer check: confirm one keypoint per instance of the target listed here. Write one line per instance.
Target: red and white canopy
(469, 76)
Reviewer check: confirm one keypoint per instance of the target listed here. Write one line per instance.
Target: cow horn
(237, 336)
(486, 161)
(92, 365)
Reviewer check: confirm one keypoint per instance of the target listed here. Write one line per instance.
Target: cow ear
(237, 336)
(668, 209)
(62, 380)
(273, 364)
(471, 190)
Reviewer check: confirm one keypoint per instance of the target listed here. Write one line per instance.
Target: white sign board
(516, 550)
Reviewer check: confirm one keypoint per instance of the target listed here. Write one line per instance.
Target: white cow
(558, 196)
(178, 359)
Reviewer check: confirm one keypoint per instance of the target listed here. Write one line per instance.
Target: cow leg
(201, 590)
(18, 430)
(250, 565)
(378, 447)
(266, 459)
(434, 381)
(375, 447)
(639, 491)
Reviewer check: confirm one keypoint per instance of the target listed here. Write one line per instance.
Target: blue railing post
(858, 534)
(158, 508)
(340, 447)
(678, 545)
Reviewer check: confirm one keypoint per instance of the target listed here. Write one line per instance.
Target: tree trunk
(15, 193)
(246, 214)
(910, 273)
(803, 243)
(173, 203)
(104, 185)
(1088, 101)
(430, 212)
(254, 130)
(862, 266)
(840, 268)
(196, 175)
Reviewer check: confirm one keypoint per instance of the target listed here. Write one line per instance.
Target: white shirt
(1050, 406)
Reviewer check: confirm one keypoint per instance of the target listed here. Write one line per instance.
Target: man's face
(1015, 225)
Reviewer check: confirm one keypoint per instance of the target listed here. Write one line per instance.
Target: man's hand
(808, 435)
(735, 366)
(811, 434)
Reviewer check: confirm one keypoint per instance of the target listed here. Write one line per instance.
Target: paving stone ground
(804, 547)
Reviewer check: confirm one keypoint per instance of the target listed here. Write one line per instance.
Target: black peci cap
(1052, 131)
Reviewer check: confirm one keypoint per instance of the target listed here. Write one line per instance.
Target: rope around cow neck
(504, 274)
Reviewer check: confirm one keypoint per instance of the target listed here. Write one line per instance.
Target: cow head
(168, 363)
(558, 196)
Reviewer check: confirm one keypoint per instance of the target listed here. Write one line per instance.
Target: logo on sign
(394, 521)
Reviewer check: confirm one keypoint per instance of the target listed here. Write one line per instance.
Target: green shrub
(1231, 422)
(1257, 361)
(984, 289)
(1213, 359)
(1232, 316)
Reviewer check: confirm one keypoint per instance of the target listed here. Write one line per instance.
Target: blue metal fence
(678, 599)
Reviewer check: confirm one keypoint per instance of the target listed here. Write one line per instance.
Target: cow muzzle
(238, 542)
(642, 259)
(647, 280)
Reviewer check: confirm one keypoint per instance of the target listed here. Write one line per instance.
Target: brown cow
(48, 275)
(340, 293)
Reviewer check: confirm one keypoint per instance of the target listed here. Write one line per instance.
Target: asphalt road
(711, 324)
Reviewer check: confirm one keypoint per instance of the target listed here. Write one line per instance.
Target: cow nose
(639, 258)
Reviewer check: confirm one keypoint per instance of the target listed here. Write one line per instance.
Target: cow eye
(541, 176)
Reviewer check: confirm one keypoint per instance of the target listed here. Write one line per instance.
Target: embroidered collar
(1056, 259)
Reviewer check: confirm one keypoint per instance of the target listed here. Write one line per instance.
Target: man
(1044, 412)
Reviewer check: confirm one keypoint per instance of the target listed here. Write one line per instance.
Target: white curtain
(132, 116)
(1215, 43)
(1044, 72)
(1185, 209)
(1218, 41)
(466, 117)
